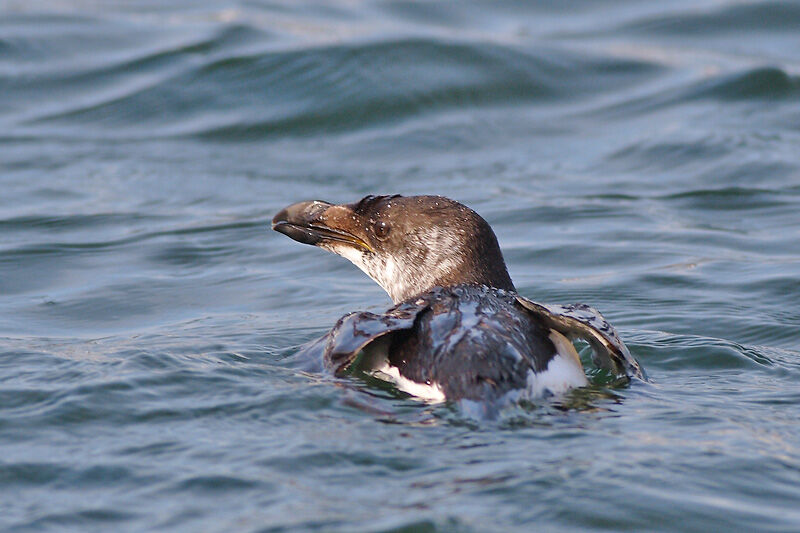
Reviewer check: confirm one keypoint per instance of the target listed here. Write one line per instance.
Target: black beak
(302, 221)
(313, 223)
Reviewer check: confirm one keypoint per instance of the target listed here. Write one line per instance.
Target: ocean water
(641, 157)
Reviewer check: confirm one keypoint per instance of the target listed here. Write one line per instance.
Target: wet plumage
(458, 329)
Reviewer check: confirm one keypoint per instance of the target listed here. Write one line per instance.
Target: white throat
(401, 277)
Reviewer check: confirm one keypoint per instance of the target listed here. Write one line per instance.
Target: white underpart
(424, 391)
(376, 362)
(564, 372)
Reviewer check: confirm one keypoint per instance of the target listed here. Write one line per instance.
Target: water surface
(640, 157)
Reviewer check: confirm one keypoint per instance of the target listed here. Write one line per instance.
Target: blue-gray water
(642, 157)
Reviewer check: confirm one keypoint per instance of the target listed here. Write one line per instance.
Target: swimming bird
(458, 329)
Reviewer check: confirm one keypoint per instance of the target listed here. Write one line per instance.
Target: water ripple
(639, 157)
(367, 84)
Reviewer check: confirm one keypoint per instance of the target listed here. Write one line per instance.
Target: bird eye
(381, 230)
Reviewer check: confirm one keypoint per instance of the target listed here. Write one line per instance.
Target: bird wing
(584, 322)
(355, 331)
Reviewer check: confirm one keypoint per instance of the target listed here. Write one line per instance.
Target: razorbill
(458, 330)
